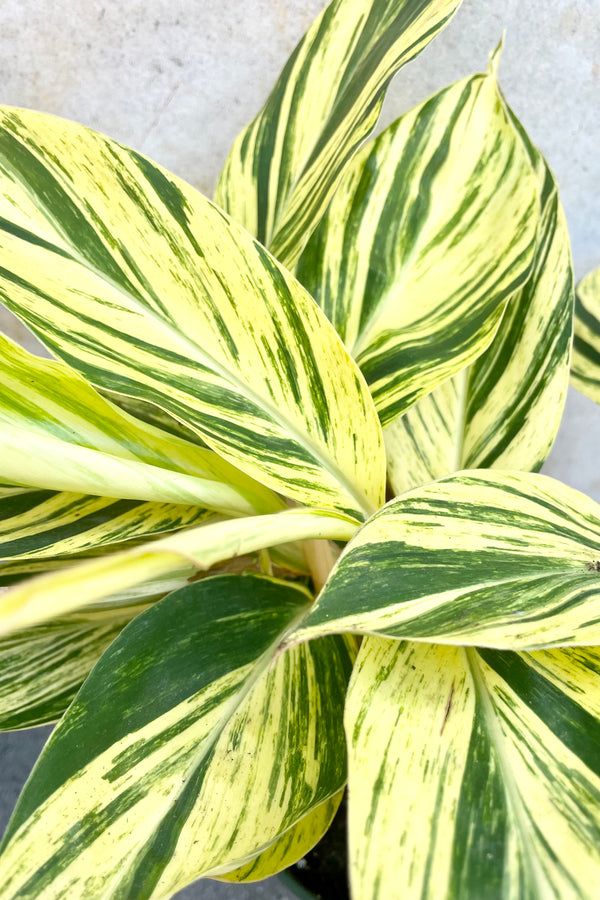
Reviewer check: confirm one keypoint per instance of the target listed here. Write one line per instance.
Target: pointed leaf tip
(495, 57)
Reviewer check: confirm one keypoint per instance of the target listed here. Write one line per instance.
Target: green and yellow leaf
(153, 415)
(42, 668)
(431, 230)
(485, 558)
(39, 524)
(149, 290)
(291, 846)
(228, 755)
(284, 167)
(505, 409)
(17, 571)
(79, 442)
(476, 771)
(585, 373)
(131, 572)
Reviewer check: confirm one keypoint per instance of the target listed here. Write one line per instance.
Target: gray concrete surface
(177, 79)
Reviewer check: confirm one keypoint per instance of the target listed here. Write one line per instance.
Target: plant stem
(265, 562)
(320, 557)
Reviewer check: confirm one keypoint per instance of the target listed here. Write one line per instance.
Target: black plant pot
(323, 873)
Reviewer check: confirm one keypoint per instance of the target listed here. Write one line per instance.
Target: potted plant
(203, 576)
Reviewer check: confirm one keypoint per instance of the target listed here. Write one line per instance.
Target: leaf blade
(175, 556)
(585, 372)
(485, 558)
(168, 758)
(430, 232)
(290, 847)
(77, 441)
(149, 290)
(487, 753)
(504, 411)
(40, 524)
(284, 167)
(42, 668)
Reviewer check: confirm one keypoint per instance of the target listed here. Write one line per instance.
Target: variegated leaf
(150, 588)
(431, 230)
(284, 167)
(153, 415)
(230, 747)
(585, 372)
(77, 441)
(503, 411)
(476, 771)
(130, 572)
(37, 524)
(15, 572)
(485, 558)
(42, 668)
(149, 290)
(291, 846)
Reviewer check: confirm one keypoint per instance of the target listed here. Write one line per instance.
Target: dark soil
(324, 870)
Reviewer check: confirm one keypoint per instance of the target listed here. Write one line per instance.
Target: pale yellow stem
(320, 557)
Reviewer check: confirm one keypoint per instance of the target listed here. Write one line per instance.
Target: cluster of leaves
(235, 388)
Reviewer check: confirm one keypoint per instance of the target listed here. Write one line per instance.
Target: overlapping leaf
(483, 558)
(37, 549)
(431, 230)
(291, 846)
(150, 291)
(476, 771)
(505, 409)
(284, 167)
(586, 346)
(153, 415)
(77, 441)
(38, 524)
(16, 572)
(42, 668)
(227, 748)
(132, 572)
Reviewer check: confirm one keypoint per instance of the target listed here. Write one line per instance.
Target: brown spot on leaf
(448, 707)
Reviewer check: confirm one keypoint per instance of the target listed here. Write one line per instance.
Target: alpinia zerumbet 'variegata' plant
(236, 389)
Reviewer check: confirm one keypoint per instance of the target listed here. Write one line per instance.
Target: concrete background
(178, 79)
